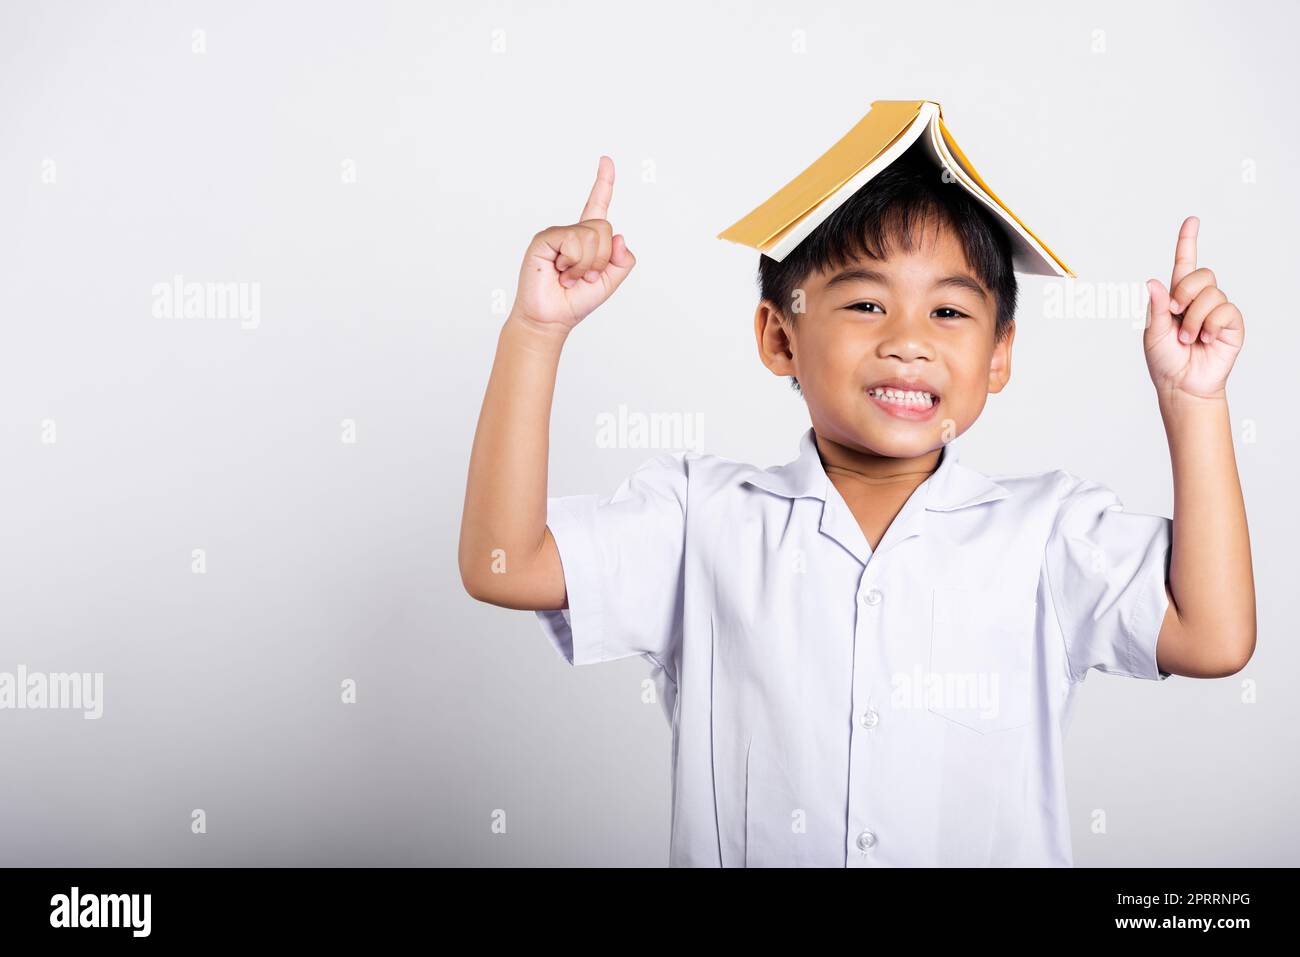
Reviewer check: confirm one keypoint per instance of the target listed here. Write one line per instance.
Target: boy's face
(920, 320)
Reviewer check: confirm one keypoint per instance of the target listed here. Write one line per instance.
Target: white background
(381, 300)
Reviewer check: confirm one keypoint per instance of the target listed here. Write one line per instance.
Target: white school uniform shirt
(837, 706)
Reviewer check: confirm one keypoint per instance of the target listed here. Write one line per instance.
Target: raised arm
(1209, 629)
(507, 555)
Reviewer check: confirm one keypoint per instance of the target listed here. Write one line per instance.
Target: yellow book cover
(889, 129)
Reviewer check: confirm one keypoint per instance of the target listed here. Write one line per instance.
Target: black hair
(910, 191)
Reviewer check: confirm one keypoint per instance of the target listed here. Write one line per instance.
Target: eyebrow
(863, 274)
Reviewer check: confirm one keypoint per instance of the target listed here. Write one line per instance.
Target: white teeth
(923, 399)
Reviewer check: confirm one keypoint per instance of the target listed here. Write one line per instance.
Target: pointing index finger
(598, 202)
(1185, 253)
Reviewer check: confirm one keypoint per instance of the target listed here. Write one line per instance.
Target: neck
(864, 467)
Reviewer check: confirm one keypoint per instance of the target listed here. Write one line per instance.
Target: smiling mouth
(920, 401)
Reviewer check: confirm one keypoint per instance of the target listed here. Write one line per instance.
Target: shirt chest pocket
(981, 659)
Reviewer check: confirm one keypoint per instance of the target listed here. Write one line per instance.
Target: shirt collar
(951, 485)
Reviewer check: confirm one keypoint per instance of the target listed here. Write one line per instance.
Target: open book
(890, 128)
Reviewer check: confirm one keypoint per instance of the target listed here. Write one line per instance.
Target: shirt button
(869, 718)
(866, 841)
(872, 597)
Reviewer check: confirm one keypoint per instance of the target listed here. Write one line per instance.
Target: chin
(906, 443)
(903, 447)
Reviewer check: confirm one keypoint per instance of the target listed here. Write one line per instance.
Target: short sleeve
(623, 558)
(1107, 570)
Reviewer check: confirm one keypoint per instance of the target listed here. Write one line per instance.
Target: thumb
(620, 263)
(1159, 320)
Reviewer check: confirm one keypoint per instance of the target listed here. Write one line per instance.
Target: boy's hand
(1193, 352)
(570, 270)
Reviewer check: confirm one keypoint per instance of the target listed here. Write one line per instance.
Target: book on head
(890, 129)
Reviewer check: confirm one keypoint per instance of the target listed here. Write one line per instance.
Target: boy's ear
(1000, 365)
(772, 336)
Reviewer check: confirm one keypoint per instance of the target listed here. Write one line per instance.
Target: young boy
(870, 653)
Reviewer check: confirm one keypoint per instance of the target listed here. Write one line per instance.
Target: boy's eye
(943, 312)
